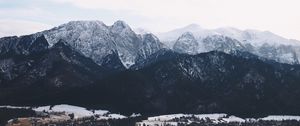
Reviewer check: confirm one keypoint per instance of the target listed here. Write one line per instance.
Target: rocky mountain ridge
(90, 64)
(262, 43)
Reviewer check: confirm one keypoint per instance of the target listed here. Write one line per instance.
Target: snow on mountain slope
(170, 37)
(96, 40)
(230, 32)
(186, 44)
(251, 36)
(221, 43)
(91, 38)
(151, 44)
(259, 38)
(262, 43)
(126, 42)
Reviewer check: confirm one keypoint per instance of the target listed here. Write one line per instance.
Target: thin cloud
(279, 16)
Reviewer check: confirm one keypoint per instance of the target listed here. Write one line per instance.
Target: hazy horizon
(29, 16)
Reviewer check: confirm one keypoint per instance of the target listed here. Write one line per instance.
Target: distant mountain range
(261, 43)
(189, 70)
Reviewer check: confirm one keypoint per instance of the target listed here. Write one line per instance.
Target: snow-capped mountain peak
(186, 43)
(120, 23)
(96, 40)
(86, 23)
(252, 36)
(170, 37)
(73, 30)
(262, 43)
(230, 32)
(121, 27)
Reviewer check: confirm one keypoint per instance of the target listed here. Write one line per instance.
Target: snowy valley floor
(73, 115)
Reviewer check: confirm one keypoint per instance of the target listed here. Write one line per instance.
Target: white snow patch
(111, 116)
(116, 116)
(173, 116)
(100, 112)
(156, 123)
(79, 112)
(234, 119)
(280, 118)
(135, 115)
(15, 107)
(166, 117)
(211, 116)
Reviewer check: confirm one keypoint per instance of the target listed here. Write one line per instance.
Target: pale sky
(282, 17)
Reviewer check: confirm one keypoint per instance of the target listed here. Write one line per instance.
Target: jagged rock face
(282, 53)
(279, 53)
(186, 44)
(150, 45)
(222, 43)
(91, 38)
(127, 43)
(96, 40)
(189, 45)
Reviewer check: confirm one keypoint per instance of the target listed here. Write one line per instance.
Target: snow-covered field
(15, 107)
(281, 117)
(233, 119)
(199, 116)
(173, 119)
(79, 112)
(219, 118)
(216, 118)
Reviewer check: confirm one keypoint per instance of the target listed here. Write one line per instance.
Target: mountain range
(264, 44)
(189, 70)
